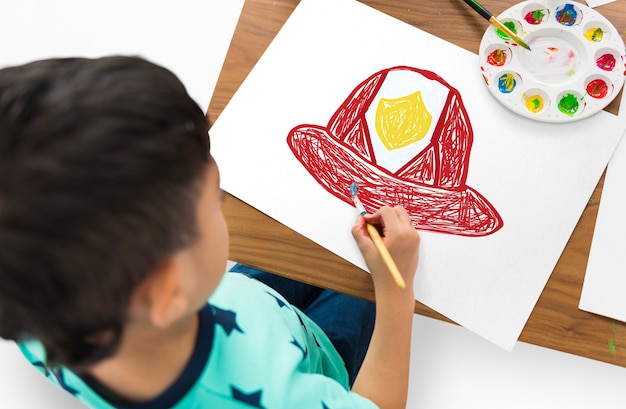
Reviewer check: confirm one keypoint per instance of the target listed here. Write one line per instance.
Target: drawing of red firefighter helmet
(405, 137)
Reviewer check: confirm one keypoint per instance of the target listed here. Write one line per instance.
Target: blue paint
(353, 189)
(566, 15)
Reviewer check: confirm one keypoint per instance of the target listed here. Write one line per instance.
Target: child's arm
(384, 375)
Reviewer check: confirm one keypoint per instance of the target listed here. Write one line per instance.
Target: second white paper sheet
(538, 176)
(605, 277)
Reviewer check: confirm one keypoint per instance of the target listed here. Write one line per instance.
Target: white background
(451, 367)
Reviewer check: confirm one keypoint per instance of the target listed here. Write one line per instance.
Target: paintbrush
(378, 241)
(491, 18)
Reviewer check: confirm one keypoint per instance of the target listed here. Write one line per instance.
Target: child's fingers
(359, 231)
(402, 214)
(390, 219)
(381, 217)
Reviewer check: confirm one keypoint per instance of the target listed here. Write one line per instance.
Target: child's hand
(399, 236)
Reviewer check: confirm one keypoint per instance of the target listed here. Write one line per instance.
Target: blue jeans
(348, 321)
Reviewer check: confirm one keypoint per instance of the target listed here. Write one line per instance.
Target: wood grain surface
(258, 240)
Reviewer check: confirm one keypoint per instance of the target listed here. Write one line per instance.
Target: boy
(112, 239)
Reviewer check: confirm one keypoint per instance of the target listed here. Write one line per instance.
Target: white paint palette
(576, 66)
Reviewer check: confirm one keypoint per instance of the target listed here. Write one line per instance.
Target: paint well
(594, 34)
(497, 58)
(511, 26)
(566, 15)
(597, 88)
(507, 83)
(606, 62)
(534, 104)
(535, 17)
(569, 104)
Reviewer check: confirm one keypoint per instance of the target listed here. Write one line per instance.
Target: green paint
(538, 15)
(594, 35)
(535, 16)
(614, 343)
(536, 102)
(612, 348)
(592, 201)
(511, 26)
(569, 104)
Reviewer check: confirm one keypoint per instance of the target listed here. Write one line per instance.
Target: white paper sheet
(597, 3)
(188, 37)
(605, 277)
(538, 176)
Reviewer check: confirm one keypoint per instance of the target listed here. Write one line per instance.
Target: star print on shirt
(253, 398)
(307, 330)
(316, 343)
(301, 322)
(58, 374)
(305, 352)
(227, 319)
(305, 327)
(280, 302)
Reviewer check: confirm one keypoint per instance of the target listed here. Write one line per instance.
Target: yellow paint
(594, 34)
(534, 103)
(402, 121)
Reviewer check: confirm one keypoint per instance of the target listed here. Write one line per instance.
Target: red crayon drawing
(431, 185)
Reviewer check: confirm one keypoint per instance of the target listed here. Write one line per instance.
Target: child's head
(102, 162)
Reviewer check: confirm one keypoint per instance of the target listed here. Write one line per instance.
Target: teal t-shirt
(254, 350)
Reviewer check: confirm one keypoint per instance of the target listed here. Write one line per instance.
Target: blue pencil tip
(353, 188)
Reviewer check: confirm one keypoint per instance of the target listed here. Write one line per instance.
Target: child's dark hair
(100, 168)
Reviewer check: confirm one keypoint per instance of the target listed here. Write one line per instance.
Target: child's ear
(166, 296)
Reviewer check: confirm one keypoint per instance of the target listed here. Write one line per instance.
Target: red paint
(597, 89)
(497, 58)
(431, 186)
(606, 62)
(534, 17)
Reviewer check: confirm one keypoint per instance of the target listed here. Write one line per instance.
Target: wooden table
(258, 240)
